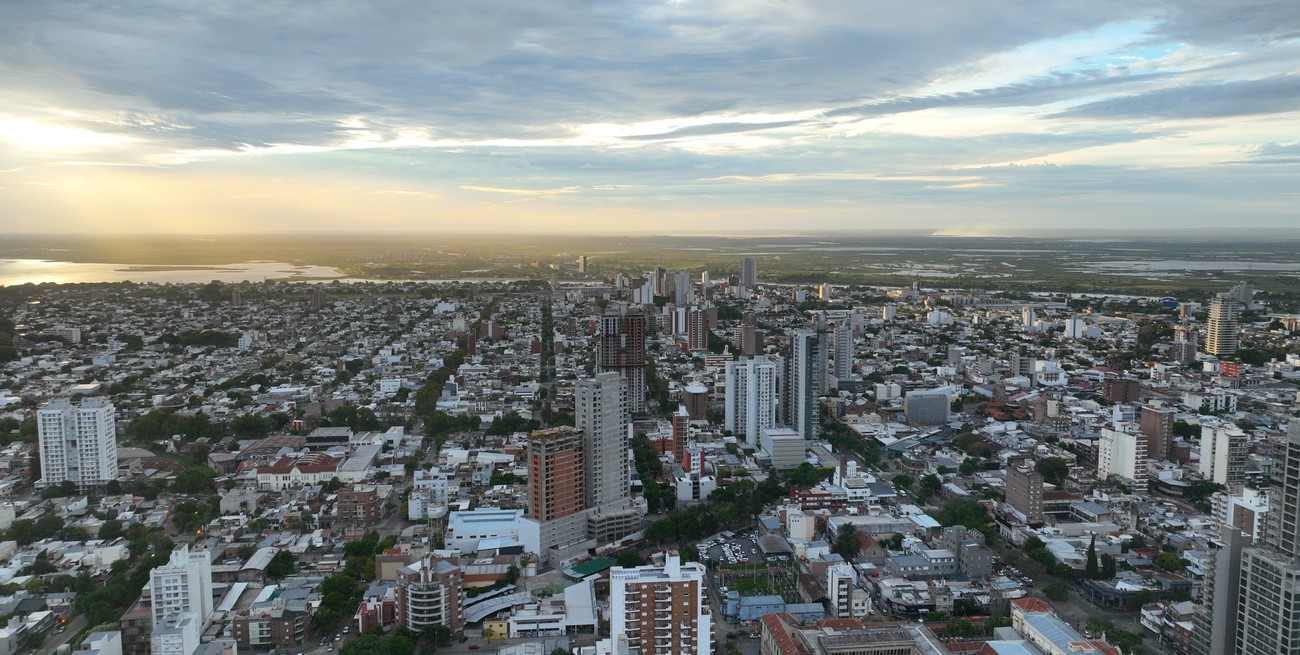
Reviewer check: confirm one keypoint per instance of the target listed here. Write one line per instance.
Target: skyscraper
(747, 335)
(556, 481)
(697, 330)
(1268, 588)
(660, 609)
(1224, 332)
(748, 273)
(843, 349)
(806, 381)
(78, 444)
(682, 289)
(620, 348)
(600, 411)
(751, 398)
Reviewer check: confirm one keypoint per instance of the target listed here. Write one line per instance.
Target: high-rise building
(748, 273)
(682, 289)
(556, 478)
(1224, 332)
(1022, 363)
(601, 412)
(1157, 423)
(843, 349)
(1268, 587)
(806, 380)
(747, 335)
(1024, 490)
(659, 280)
(660, 610)
(582, 263)
(430, 592)
(620, 347)
(751, 398)
(1223, 454)
(1215, 619)
(77, 443)
(1122, 453)
(697, 330)
(182, 586)
(1183, 349)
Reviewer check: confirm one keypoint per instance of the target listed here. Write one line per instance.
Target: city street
(72, 629)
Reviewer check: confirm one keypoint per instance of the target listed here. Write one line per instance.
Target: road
(73, 628)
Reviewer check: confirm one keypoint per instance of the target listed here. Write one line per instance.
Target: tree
(969, 466)
(846, 542)
(629, 559)
(1168, 561)
(903, 481)
(1056, 591)
(1108, 566)
(1032, 543)
(1053, 469)
(1091, 569)
(281, 565)
(110, 529)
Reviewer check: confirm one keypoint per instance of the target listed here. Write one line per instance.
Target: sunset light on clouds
(505, 115)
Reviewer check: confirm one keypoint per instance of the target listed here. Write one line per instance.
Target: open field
(1191, 267)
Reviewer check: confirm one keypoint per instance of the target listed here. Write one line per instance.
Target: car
(473, 646)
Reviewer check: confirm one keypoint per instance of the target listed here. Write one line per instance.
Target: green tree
(1053, 469)
(1092, 570)
(281, 565)
(846, 542)
(1168, 561)
(969, 466)
(110, 529)
(1108, 566)
(903, 481)
(629, 559)
(1057, 590)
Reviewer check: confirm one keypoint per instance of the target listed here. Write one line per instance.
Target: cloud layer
(631, 116)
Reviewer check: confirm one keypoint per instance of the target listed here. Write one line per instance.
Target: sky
(617, 116)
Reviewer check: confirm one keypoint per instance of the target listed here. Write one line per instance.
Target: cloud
(677, 109)
(1271, 95)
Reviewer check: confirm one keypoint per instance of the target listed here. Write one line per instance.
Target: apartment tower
(660, 610)
(620, 348)
(77, 443)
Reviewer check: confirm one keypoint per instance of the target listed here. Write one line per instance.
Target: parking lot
(738, 549)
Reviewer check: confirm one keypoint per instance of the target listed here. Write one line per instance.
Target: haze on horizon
(622, 117)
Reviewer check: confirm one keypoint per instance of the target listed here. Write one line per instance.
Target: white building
(178, 634)
(1122, 453)
(182, 586)
(784, 446)
(1223, 453)
(751, 397)
(102, 643)
(78, 444)
(466, 529)
(601, 412)
(847, 599)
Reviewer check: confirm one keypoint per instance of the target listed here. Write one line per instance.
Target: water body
(37, 271)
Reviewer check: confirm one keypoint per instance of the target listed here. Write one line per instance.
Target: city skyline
(158, 117)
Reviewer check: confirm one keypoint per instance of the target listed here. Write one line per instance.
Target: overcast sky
(724, 115)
